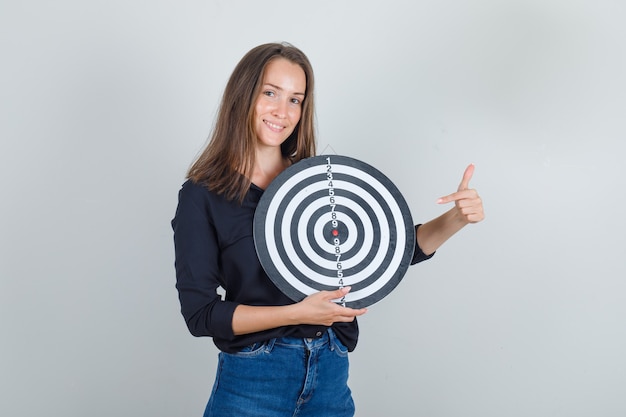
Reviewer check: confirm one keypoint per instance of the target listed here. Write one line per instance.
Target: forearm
(433, 234)
(316, 309)
(250, 319)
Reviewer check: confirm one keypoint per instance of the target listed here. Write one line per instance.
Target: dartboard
(329, 222)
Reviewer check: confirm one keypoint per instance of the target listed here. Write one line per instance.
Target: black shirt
(214, 247)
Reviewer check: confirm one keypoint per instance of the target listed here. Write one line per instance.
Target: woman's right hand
(321, 309)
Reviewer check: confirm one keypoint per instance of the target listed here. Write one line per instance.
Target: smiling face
(278, 107)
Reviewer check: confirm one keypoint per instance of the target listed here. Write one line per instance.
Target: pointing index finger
(459, 195)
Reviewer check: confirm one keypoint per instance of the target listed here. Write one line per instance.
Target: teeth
(273, 126)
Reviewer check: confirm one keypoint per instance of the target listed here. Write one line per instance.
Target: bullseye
(337, 231)
(331, 221)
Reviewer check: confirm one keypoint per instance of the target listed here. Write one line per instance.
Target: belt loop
(331, 339)
(270, 345)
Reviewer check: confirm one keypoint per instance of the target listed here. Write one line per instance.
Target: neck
(268, 164)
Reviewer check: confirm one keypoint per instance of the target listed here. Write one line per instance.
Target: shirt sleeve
(197, 266)
(418, 254)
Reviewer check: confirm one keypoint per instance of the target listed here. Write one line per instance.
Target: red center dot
(335, 232)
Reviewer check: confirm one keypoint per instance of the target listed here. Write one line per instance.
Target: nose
(281, 109)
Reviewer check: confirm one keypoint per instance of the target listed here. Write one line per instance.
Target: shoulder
(194, 200)
(190, 187)
(193, 192)
(197, 197)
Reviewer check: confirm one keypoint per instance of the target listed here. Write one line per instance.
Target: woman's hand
(467, 201)
(319, 308)
(468, 208)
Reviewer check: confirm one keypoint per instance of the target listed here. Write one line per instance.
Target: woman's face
(278, 107)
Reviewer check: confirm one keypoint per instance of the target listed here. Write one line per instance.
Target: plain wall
(103, 106)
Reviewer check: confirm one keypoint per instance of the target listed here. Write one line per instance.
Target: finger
(338, 293)
(348, 314)
(471, 202)
(467, 176)
(474, 217)
(459, 195)
(471, 209)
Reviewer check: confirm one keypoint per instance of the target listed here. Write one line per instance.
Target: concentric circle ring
(332, 221)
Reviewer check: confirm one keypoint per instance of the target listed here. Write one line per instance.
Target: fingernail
(440, 201)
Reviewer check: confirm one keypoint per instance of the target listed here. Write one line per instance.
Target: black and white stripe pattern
(332, 221)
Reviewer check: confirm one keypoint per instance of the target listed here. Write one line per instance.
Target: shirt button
(318, 334)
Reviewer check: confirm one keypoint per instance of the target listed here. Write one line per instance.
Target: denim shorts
(284, 377)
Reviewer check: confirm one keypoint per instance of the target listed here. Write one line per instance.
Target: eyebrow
(281, 89)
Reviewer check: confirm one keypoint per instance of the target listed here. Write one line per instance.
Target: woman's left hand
(468, 203)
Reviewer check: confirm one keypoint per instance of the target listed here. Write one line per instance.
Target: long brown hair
(231, 149)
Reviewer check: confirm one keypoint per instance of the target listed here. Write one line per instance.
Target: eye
(295, 101)
(269, 93)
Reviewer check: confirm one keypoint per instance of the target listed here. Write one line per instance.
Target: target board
(331, 221)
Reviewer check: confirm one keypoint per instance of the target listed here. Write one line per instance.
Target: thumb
(467, 176)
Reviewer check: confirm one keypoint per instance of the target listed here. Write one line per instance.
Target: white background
(103, 106)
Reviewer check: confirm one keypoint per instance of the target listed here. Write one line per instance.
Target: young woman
(278, 358)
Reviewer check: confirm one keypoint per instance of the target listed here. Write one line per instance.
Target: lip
(273, 126)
